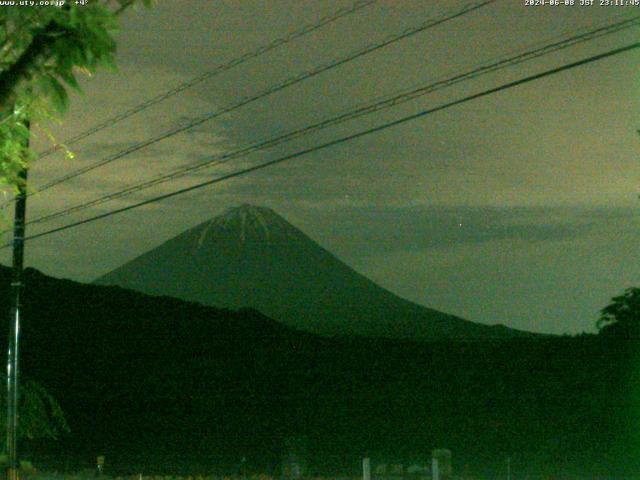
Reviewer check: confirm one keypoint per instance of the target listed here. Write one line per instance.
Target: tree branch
(10, 40)
(36, 54)
(123, 7)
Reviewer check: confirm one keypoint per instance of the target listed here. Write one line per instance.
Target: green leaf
(57, 93)
(69, 78)
(81, 37)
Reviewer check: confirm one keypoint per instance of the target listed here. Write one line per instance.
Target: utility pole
(14, 325)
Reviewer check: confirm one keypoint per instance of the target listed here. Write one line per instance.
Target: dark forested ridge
(164, 385)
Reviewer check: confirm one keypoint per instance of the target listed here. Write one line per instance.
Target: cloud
(420, 228)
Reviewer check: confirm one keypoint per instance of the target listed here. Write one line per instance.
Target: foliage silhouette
(622, 316)
(41, 416)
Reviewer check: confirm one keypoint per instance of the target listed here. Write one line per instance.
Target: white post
(435, 470)
(366, 469)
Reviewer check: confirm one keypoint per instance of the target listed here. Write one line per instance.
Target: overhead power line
(430, 23)
(388, 102)
(341, 140)
(261, 50)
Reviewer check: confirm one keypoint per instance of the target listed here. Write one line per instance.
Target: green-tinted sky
(519, 208)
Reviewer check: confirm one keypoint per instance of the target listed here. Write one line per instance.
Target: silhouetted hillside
(164, 385)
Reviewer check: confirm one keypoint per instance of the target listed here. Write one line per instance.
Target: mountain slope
(252, 257)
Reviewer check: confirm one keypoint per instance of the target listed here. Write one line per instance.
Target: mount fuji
(251, 257)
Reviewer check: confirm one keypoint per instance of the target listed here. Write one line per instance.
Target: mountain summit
(251, 223)
(252, 257)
